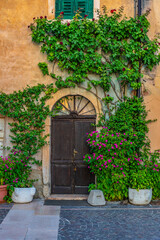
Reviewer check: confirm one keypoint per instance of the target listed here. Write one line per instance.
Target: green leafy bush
(120, 153)
(16, 169)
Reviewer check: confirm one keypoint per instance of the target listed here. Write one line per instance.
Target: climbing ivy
(108, 47)
(28, 110)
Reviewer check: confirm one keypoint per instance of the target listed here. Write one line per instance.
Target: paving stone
(17, 216)
(121, 223)
(48, 210)
(50, 222)
(41, 234)
(4, 210)
(12, 231)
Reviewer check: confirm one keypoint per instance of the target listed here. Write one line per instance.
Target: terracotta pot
(3, 193)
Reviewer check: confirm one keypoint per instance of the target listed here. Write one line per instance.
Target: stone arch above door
(46, 168)
(74, 105)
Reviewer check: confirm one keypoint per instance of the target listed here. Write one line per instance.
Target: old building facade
(19, 57)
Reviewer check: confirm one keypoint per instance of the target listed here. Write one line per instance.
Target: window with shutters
(69, 7)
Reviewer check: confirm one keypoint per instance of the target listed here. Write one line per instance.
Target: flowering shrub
(15, 169)
(117, 166)
(122, 159)
(109, 161)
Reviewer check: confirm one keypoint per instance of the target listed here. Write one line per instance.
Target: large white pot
(141, 197)
(23, 195)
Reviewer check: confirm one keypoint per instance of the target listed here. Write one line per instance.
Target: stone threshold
(68, 197)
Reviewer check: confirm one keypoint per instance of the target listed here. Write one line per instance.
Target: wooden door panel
(83, 177)
(70, 173)
(62, 139)
(62, 156)
(82, 127)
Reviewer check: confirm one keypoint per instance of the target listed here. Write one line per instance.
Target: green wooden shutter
(69, 7)
(81, 5)
(58, 8)
(85, 6)
(66, 6)
(89, 9)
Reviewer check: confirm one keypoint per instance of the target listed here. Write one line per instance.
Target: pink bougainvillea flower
(157, 170)
(121, 168)
(108, 150)
(130, 142)
(154, 169)
(100, 169)
(109, 160)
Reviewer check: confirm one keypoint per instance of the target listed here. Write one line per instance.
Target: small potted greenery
(17, 169)
(3, 186)
(144, 176)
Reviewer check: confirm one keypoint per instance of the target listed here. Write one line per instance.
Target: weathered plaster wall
(116, 4)
(18, 55)
(19, 58)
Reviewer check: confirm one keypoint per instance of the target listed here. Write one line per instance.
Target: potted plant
(144, 176)
(17, 169)
(23, 192)
(3, 186)
(3, 189)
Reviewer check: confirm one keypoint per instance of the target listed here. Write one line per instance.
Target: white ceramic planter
(141, 197)
(23, 195)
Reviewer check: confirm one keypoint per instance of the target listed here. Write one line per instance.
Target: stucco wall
(19, 56)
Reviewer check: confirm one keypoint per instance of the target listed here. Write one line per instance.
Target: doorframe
(83, 118)
(46, 150)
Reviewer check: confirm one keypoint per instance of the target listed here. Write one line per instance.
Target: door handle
(74, 152)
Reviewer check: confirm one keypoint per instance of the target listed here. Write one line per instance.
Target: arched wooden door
(70, 173)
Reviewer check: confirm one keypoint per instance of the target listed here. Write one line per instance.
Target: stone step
(68, 197)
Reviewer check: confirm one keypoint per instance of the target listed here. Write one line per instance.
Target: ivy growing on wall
(28, 110)
(110, 47)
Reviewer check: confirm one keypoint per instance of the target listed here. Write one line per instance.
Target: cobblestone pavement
(4, 209)
(113, 222)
